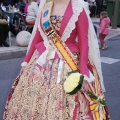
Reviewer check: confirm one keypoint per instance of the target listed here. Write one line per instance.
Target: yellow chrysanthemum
(72, 82)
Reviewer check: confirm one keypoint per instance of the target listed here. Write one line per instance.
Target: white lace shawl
(77, 6)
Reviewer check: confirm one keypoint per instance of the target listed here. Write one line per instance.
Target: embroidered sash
(55, 38)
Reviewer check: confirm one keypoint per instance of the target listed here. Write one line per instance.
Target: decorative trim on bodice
(77, 8)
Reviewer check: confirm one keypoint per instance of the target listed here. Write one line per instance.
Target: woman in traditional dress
(63, 40)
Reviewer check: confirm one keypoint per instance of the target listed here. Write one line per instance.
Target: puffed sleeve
(82, 32)
(37, 38)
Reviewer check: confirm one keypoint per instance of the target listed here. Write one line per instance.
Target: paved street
(9, 69)
(111, 71)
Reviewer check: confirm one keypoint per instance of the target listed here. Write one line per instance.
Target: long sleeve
(32, 12)
(82, 31)
(37, 38)
(102, 26)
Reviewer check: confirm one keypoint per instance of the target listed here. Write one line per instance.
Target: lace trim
(77, 7)
(46, 42)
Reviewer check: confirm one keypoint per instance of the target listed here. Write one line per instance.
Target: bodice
(56, 21)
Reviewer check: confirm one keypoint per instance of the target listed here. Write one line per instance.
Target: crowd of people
(11, 21)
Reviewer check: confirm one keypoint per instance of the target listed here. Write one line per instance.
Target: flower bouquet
(73, 84)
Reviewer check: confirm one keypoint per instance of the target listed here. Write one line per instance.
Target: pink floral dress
(35, 94)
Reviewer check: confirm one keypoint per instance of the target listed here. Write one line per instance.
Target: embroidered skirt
(35, 95)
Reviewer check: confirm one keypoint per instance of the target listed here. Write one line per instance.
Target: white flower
(72, 82)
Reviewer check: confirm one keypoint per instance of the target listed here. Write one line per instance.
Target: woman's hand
(21, 71)
(23, 64)
(84, 86)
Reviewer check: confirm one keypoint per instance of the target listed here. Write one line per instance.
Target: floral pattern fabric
(56, 21)
(35, 95)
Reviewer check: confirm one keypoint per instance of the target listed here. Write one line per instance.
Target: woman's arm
(82, 31)
(37, 38)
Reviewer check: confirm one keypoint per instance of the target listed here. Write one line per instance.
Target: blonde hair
(104, 14)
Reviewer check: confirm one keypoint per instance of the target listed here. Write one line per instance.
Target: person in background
(1, 4)
(26, 7)
(21, 5)
(99, 4)
(4, 29)
(8, 2)
(12, 27)
(88, 2)
(104, 28)
(32, 11)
